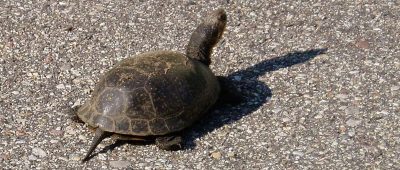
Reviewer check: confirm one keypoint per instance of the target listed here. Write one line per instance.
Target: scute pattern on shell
(153, 93)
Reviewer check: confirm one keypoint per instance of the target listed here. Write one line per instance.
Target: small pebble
(342, 129)
(20, 142)
(35, 74)
(39, 152)
(276, 110)
(222, 133)
(282, 134)
(352, 110)
(32, 158)
(362, 44)
(70, 130)
(216, 155)
(298, 153)
(342, 96)
(231, 154)
(352, 132)
(384, 112)
(53, 141)
(285, 119)
(353, 122)
(102, 157)
(237, 78)
(119, 164)
(63, 158)
(394, 88)
(319, 116)
(75, 72)
(56, 132)
(60, 86)
(74, 157)
(81, 137)
(76, 81)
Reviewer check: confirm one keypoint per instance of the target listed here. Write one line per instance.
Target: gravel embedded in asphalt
(321, 81)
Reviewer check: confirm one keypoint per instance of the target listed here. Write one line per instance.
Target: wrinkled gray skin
(157, 94)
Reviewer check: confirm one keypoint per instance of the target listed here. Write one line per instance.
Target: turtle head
(206, 36)
(216, 20)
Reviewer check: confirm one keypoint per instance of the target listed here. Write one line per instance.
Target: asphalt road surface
(321, 81)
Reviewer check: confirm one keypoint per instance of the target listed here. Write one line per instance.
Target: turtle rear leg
(169, 143)
(229, 93)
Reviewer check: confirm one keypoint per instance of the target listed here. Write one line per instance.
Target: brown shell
(154, 93)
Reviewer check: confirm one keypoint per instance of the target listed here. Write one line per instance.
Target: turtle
(157, 94)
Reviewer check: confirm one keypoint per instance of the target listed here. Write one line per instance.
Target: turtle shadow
(255, 93)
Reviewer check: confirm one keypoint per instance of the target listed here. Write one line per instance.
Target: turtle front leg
(229, 93)
(73, 114)
(169, 143)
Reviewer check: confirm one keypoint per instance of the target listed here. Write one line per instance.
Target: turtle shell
(154, 93)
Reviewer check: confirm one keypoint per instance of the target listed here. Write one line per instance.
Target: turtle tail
(206, 35)
(99, 136)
